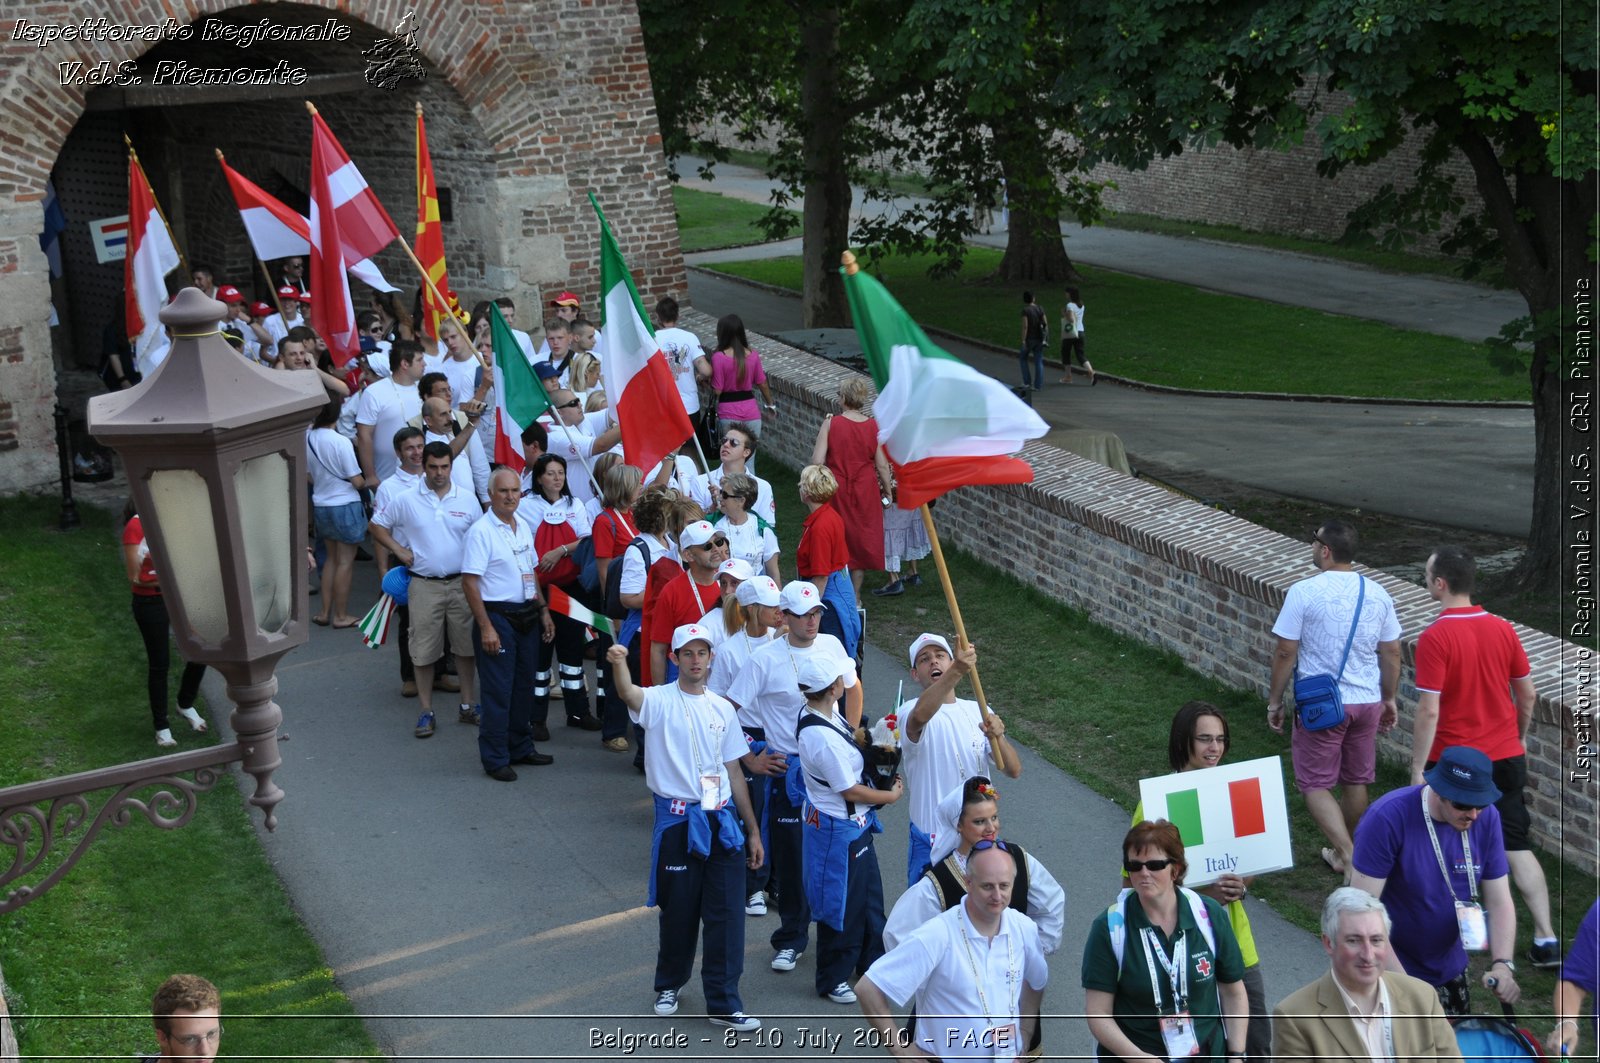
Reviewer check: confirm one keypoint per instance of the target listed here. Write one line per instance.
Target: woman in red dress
(848, 446)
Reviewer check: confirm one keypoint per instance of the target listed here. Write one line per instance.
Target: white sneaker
(737, 1021)
(164, 738)
(667, 1002)
(785, 960)
(195, 722)
(843, 994)
(757, 904)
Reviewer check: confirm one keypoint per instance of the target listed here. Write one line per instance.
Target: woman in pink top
(736, 373)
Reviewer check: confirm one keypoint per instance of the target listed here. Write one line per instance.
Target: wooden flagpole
(272, 289)
(423, 273)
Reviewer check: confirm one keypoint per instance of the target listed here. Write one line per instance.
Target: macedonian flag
(430, 235)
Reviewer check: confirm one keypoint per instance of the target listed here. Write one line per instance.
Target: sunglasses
(1132, 866)
(714, 543)
(990, 843)
(1459, 807)
(568, 405)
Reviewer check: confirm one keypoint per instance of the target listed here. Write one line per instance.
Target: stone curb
(1163, 389)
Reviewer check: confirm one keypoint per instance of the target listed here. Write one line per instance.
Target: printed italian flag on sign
(1233, 818)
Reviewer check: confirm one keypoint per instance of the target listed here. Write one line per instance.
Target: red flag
(430, 235)
(344, 215)
(150, 256)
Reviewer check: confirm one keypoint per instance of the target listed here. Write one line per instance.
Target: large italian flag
(942, 423)
(518, 395)
(639, 382)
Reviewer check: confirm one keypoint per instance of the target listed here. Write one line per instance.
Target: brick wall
(1182, 577)
(531, 105)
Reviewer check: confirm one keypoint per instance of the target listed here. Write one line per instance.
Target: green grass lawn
(142, 903)
(708, 220)
(1099, 705)
(1166, 333)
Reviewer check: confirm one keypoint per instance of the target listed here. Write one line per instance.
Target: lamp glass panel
(182, 501)
(262, 487)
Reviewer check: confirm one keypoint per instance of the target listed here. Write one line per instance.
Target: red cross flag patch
(678, 807)
(1202, 966)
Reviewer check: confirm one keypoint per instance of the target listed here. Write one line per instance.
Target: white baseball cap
(799, 597)
(737, 567)
(817, 671)
(688, 633)
(758, 590)
(697, 533)
(928, 638)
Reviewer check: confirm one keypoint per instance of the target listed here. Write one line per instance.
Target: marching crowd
(739, 694)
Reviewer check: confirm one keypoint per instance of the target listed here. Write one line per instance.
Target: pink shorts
(1345, 754)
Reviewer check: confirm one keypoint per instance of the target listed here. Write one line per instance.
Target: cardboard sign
(1234, 818)
(110, 237)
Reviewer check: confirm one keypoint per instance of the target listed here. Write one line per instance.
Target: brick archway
(553, 102)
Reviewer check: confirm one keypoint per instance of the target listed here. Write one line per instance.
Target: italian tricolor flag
(563, 603)
(518, 395)
(943, 424)
(639, 382)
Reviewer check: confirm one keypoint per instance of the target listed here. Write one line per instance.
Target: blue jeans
(1037, 354)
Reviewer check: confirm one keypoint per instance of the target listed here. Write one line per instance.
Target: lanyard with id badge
(710, 778)
(1177, 1027)
(1470, 923)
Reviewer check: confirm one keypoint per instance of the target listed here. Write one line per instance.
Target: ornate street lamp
(214, 448)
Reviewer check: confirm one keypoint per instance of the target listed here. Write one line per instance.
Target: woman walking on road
(1072, 337)
(150, 614)
(848, 446)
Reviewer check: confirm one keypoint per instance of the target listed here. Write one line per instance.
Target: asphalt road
(1412, 461)
(481, 920)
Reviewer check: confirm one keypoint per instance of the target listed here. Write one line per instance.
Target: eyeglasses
(1132, 866)
(568, 405)
(194, 1040)
(990, 843)
(1459, 807)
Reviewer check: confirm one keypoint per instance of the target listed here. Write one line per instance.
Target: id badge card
(530, 586)
(1177, 1033)
(1470, 922)
(710, 791)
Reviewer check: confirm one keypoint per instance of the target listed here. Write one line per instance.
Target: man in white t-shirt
(581, 440)
(278, 325)
(684, 355)
(977, 972)
(508, 310)
(459, 363)
(471, 469)
(769, 701)
(737, 450)
(705, 831)
(945, 741)
(385, 406)
(1312, 630)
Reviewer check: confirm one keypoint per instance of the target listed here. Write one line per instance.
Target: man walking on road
(1319, 618)
(1474, 688)
(1031, 352)
(705, 831)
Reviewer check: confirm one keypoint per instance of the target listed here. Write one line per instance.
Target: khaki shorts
(435, 603)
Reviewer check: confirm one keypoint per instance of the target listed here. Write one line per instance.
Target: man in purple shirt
(1434, 855)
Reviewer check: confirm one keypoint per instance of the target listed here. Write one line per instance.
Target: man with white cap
(701, 845)
(767, 694)
(689, 597)
(977, 972)
(945, 740)
(723, 619)
(1434, 854)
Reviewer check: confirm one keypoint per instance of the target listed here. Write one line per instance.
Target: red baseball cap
(565, 299)
(229, 294)
(261, 310)
(289, 291)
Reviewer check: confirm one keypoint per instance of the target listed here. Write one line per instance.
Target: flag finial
(311, 107)
(850, 267)
(220, 157)
(419, 108)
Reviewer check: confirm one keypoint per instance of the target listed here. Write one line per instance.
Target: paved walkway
(1430, 304)
(476, 920)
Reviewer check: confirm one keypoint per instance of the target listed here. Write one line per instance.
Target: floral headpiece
(987, 791)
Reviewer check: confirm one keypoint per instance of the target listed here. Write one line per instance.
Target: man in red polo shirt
(1475, 688)
(688, 597)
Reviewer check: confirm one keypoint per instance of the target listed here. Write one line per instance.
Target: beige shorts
(434, 604)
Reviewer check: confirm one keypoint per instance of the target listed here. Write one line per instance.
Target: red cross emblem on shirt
(1202, 966)
(678, 807)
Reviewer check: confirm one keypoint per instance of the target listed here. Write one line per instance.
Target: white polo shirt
(1047, 907)
(435, 526)
(765, 508)
(833, 764)
(686, 735)
(767, 690)
(387, 406)
(388, 491)
(951, 750)
(500, 557)
(966, 987)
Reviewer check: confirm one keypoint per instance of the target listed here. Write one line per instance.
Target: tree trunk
(825, 217)
(1538, 574)
(1035, 253)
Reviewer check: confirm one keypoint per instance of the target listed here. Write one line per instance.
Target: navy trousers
(695, 894)
(759, 786)
(505, 686)
(786, 858)
(844, 953)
